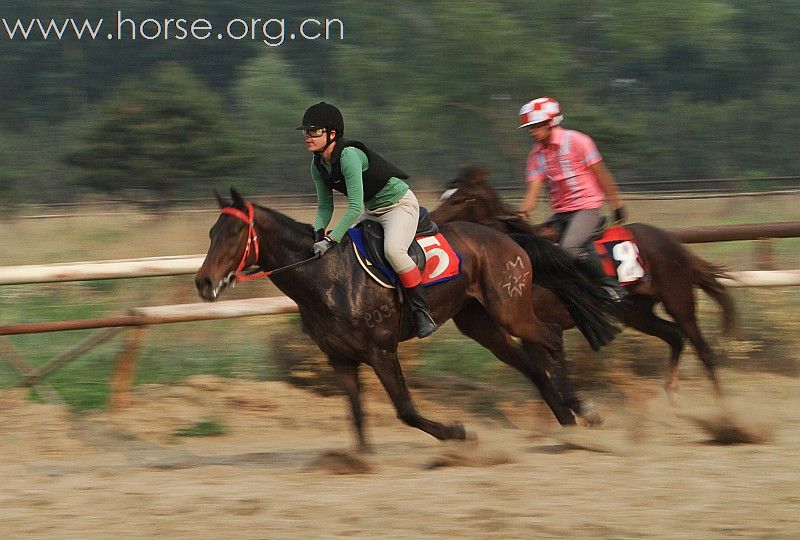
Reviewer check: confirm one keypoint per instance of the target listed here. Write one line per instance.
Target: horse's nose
(204, 286)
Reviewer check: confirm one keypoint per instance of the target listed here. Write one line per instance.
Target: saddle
(372, 236)
(617, 250)
(554, 231)
(428, 244)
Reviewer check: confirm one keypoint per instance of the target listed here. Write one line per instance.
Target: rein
(240, 274)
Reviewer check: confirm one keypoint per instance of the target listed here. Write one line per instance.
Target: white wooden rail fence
(189, 264)
(140, 318)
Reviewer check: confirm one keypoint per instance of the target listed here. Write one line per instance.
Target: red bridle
(252, 241)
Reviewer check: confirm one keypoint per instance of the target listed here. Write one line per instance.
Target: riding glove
(319, 234)
(620, 214)
(322, 246)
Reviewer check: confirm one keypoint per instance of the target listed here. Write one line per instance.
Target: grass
(170, 354)
(203, 428)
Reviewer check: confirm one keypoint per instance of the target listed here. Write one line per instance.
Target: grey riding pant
(577, 228)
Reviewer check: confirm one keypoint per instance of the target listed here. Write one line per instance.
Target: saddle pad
(442, 262)
(620, 255)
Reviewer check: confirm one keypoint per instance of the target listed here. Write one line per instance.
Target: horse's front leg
(347, 375)
(387, 368)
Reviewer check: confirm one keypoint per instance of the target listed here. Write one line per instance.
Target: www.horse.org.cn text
(271, 31)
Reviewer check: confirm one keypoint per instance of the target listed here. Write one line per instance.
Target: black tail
(554, 269)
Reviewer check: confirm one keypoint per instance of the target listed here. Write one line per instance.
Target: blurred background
(670, 90)
(110, 148)
(102, 140)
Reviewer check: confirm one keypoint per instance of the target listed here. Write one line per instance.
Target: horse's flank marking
(376, 316)
(515, 276)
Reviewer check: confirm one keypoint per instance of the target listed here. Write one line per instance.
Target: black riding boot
(419, 308)
(591, 264)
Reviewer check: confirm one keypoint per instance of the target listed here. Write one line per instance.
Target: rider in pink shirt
(565, 165)
(568, 162)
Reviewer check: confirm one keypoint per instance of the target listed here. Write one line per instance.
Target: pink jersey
(564, 164)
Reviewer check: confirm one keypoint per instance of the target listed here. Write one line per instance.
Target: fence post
(765, 254)
(125, 368)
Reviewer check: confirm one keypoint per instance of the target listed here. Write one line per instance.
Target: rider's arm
(531, 197)
(353, 162)
(324, 200)
(534, 177)
(607, 183)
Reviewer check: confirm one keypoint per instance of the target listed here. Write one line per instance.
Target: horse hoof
(588, 416)
(366, 449)
(673, 398)
(457, 431)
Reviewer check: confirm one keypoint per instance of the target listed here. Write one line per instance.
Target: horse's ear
(220, 201)
(238, 201)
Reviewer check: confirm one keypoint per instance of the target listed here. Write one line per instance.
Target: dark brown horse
(354, 320)
(673, 273)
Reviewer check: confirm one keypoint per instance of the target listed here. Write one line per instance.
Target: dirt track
(282, 469)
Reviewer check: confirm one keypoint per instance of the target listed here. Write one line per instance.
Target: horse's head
(233, 247)
(468, 197)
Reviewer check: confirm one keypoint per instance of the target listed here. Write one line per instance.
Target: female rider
(375, 189)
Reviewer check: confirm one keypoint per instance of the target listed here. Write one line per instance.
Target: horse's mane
(473, 180)
(295, 234)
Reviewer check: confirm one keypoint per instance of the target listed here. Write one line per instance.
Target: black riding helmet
(323, 115)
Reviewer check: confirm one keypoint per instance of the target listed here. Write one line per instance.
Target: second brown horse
(674, 273)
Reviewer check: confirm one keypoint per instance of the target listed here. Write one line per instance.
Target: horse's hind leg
(508, 299)
(680, 305)
(347, 375)
(389, 372)
(476, 323)
(557, 368)
(638, 314)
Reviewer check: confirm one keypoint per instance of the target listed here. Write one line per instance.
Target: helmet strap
(328, 142)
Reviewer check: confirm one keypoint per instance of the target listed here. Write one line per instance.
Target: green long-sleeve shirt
(353, 163)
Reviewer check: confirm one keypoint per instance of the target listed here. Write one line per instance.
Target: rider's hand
(319, 234)
(620, 215)
(322, 246)
(522, 215)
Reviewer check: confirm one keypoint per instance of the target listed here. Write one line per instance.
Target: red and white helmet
(540, 110)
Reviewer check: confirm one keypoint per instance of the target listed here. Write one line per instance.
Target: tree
(165, 134)
(270, 102)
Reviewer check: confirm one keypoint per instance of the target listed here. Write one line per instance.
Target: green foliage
(9, 173)
(668, 88)
(270, 102)
(165, 135)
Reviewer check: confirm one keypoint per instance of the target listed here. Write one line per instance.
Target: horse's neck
(284, 242)
(496, 206)
(499, 212)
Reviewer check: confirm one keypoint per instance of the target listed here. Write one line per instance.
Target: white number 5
(429, 244)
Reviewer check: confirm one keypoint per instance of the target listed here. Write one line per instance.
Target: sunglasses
(315, 133)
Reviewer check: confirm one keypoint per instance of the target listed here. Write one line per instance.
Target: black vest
(375, 177)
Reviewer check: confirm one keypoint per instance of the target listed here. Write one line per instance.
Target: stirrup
(424, 324)
(617, 294)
